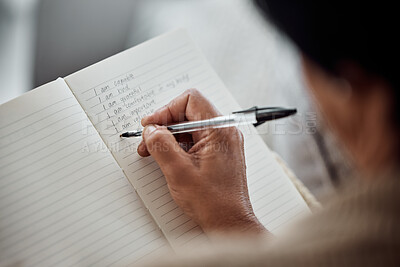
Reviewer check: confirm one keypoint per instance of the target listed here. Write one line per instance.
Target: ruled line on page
(32, 202)
(143, 256)
(59, 191)
(140, 66)
(26, 247)
(138, 75)
(47, 155)
(86, 226)
(104, 110)
(40, 169)
(27, 125)
(132, 240)
(91, 233)
(71, 213)
(35, 112)
(180, 65)
(42, 137)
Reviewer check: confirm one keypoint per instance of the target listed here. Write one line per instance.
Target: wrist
(236, 221)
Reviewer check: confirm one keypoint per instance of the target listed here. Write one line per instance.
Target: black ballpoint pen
(254, 115)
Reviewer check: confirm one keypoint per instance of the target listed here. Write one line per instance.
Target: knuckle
(196, 96)
(192, 91)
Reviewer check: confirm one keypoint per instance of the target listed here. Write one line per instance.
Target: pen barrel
(255, 116)
(231, 120)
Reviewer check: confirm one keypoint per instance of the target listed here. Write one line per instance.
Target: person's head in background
(349, 49)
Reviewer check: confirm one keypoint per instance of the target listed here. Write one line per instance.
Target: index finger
(189, 106)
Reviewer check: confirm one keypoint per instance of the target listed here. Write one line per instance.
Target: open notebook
(72, 192)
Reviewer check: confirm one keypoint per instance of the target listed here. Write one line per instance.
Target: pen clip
(256, 109)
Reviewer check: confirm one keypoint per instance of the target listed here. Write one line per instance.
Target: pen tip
(126, 134)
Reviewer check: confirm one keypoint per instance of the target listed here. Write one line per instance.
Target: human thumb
(163, 147)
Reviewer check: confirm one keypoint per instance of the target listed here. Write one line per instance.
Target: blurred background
(41, 40)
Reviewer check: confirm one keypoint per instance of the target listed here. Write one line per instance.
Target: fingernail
(149, 129)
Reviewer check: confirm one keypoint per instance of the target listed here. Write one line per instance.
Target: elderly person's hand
(205, 170)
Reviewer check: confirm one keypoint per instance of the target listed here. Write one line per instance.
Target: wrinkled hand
(205, 170)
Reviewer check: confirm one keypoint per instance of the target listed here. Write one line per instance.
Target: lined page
(119, 91)
(63, 198)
